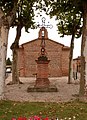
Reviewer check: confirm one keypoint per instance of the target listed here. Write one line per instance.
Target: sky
(52, 34)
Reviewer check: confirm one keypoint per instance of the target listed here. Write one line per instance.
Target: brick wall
(56, 53)
(65, 61)
(58, 57)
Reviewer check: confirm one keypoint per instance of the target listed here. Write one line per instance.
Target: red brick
(57, 53)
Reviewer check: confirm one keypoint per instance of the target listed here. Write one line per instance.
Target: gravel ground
(18, 92)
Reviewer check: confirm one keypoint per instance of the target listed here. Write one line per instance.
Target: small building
(77, 64)
(76, 67)
(57, 53)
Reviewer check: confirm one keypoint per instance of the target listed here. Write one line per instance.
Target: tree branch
(11, 14)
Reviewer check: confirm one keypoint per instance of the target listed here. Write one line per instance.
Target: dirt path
(65, 92)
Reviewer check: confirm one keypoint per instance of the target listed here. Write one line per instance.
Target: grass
(63, 111)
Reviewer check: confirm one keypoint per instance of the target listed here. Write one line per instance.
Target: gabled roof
(29, 42)
(46, 38)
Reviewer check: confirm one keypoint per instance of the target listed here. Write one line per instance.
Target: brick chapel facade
(57, 53)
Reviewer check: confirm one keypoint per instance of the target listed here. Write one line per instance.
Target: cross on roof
(44, 25)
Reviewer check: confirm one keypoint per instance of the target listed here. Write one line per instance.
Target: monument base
(42, 82)
(50, 88)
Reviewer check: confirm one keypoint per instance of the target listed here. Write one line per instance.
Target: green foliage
(6, 5)
(25, 14)
(8, 62)
(65, 111)
(69, 16)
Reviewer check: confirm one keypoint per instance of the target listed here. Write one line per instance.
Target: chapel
(57, 53)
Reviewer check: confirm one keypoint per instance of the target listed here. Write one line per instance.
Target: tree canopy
(69, 16)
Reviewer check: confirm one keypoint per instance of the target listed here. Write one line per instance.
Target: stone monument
(42, 83)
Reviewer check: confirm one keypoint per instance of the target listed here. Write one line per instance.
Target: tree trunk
(71, 59)
(83, 78)
(14, 47)
(5, 23)
(4, 29)
(3, 52)
(15, 72)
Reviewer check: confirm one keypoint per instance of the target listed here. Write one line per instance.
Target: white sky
(52, 34)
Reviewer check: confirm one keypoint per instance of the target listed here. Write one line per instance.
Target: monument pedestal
(42, 73)
(42, 83)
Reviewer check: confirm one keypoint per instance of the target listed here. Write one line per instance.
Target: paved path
(66, 92)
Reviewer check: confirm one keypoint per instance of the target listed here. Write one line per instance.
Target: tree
(83, 79)
(24, 18)
(69, 23)
(7, 13)
(81, 7)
